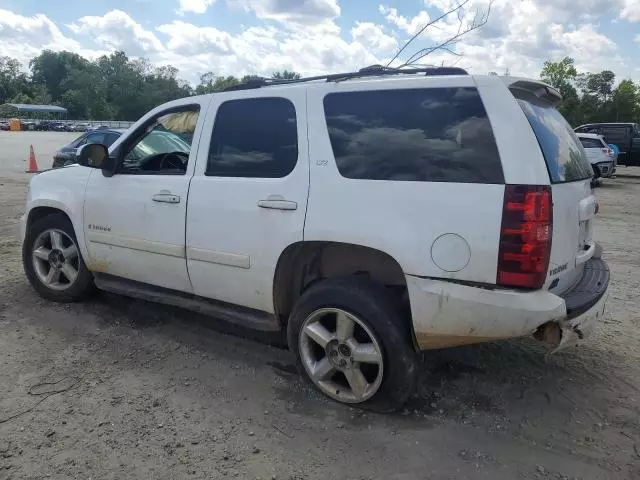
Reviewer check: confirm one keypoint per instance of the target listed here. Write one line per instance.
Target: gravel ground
(116, 388)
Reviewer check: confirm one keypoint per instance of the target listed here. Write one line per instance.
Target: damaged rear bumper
(585, 303)
(447, 314)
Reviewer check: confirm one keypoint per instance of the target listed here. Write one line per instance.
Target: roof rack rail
(370, 71)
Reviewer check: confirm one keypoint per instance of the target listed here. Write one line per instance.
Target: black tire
(379, 309)
(83, 284)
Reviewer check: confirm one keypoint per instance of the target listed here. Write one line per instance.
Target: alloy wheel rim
(55, 259)
(341, 355)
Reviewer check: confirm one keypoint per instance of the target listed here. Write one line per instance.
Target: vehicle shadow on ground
(498, 385)
(509, 387)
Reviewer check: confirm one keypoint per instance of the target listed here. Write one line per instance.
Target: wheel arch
(43, 208)
(304, 263)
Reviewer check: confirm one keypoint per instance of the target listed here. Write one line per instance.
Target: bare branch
(478, 21)
(419, 32)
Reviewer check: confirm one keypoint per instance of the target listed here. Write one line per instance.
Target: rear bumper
(448, 314)
(585, 303)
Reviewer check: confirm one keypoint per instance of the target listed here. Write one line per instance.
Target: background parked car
(599, 154)
(67, 154)
(80, 127)
(625, 135)
(27, 125)
(4, 126)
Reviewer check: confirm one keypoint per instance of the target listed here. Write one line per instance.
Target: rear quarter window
(562, 151)
(424, 135)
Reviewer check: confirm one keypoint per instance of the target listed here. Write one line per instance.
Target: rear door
(248, 197)
(573, 201)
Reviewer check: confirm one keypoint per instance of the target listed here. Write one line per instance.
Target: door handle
(166, 198)
(276, 202)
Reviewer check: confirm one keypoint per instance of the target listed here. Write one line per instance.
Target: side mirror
(94, 155)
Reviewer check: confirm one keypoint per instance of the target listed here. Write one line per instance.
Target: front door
(135, 220)
(248, 197)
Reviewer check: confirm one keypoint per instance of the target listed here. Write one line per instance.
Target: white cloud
(187, 39)
(118, 31)
(631, 10)
(410, 26)
(39, 30)
(372, 36)
(23, 37)
(519, 36)
(195, 6)
(304, 12)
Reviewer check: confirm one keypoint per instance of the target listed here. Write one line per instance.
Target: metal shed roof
(37, 108)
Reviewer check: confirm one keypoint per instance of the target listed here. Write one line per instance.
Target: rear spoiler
(526, 88)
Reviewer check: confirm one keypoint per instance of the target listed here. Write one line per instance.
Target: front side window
(163, 146)
(254, 137)
(423, 135)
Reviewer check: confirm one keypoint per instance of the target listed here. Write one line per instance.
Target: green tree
(626, 101)
(562, 75)
(285, 75)
(13, 81)
(52, 68)
(559, 74)
(210, 83)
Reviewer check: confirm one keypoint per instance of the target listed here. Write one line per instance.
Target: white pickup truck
(370, 215)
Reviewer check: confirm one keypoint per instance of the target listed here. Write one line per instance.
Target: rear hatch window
(591, 143)
(565, 157)
(573, 200)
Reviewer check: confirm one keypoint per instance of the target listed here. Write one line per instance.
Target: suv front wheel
(350, 341)
(53, 262)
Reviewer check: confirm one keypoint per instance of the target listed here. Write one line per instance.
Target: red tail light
(525, 236)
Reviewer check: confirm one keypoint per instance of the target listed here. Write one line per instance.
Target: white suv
(599, 154)
(371, 215)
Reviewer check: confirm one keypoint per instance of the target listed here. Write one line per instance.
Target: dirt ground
(123, 389)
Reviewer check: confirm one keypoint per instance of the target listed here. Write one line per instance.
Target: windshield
(160, 141)
(563, 153)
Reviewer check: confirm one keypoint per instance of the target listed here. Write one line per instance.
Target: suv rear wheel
(349, 341)
(52, 260)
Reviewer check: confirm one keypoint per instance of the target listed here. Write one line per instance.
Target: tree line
(111, 87)
(592, 97)
(117, 87)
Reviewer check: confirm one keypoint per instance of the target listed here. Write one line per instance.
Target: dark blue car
(67, 154)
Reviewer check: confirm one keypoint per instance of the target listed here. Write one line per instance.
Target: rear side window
(425, 135)
(618, 135)
(591, 142)
(97, 137)
(566, 160)
(111, 137)
(256, 137)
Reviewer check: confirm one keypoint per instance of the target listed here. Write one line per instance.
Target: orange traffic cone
(33, 165)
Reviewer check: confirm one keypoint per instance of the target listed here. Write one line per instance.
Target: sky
(238, 37)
